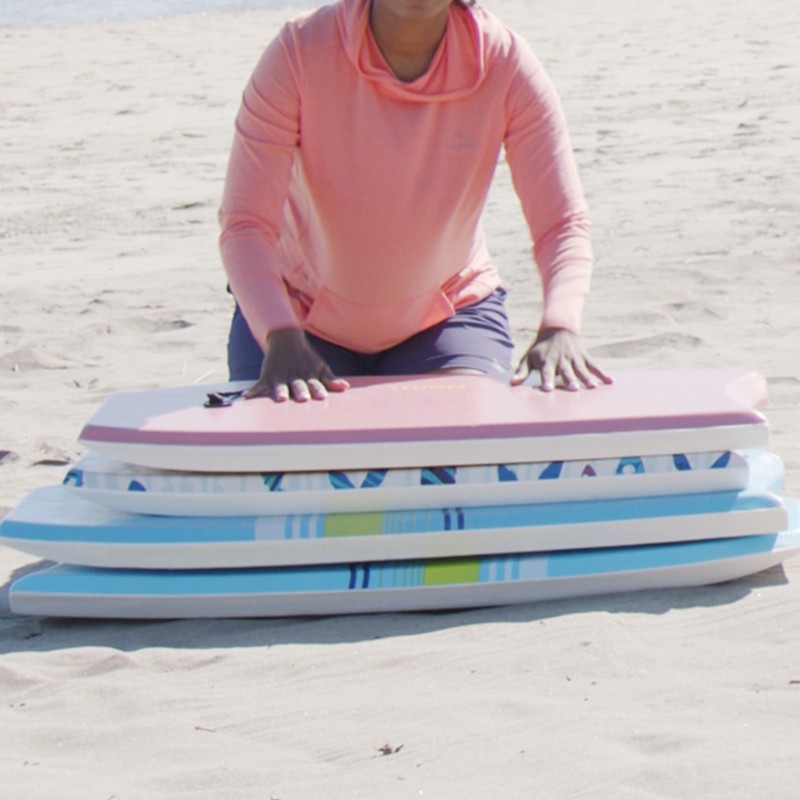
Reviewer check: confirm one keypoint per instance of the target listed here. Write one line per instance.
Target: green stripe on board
(457, 570)
(353, 524)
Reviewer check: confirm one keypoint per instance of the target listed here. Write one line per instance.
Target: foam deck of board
(418, 420)
(125, 487)
(375, 587)
(52, 523)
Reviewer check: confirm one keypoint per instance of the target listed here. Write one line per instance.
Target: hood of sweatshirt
(458, 67)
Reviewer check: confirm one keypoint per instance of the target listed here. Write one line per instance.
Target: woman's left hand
(559, 353)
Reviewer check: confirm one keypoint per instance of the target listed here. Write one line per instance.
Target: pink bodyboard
(407, 421)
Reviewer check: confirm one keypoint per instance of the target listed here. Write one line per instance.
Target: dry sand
(114, 141)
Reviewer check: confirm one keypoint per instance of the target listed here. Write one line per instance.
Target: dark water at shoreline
(35, 13)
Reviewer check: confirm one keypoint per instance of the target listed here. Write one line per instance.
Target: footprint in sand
(691, 312)
(637, 347)
(26, 359)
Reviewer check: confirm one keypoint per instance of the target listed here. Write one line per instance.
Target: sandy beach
(114, 141)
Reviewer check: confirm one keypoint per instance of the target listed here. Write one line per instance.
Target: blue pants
(476, 337)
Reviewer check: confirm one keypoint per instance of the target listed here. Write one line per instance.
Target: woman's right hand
(293, 369)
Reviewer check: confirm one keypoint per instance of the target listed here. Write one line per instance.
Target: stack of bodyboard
(421, 492)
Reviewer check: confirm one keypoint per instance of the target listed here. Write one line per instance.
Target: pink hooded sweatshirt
(353, 200)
